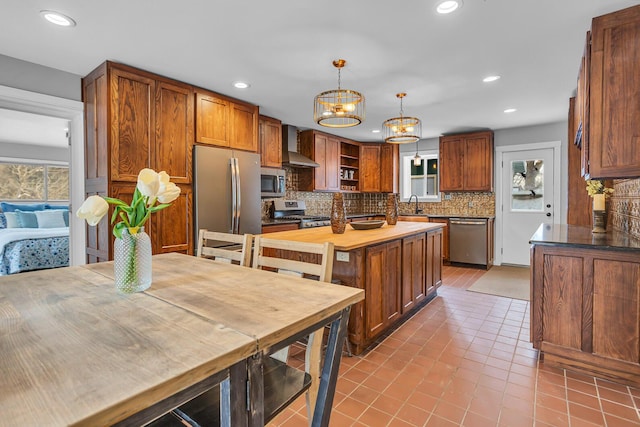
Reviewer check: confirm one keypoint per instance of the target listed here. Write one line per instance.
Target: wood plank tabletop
(74, 352)
(264, 305)
(353, 239)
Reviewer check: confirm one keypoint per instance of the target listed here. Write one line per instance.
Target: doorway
(37, 103)
(528, 195)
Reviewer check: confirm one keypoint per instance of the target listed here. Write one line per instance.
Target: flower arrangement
(132, 248)
(152, 187)
(595, 186)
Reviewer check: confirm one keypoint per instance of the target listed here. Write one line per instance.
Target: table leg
(329, 376)
(233, 397)
(256, 390)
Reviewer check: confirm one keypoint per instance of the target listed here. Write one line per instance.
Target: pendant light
(401, 130)
(417, 160)
(339, 108)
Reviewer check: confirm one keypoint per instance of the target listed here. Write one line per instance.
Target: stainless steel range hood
(290, 155)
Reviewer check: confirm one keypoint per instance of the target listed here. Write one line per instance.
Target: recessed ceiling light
(240, 85)
(448, 6)
(490, 79)
(510, 110)
(375, 131)
(57, 18)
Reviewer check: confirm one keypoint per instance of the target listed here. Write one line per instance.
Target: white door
(528, 186)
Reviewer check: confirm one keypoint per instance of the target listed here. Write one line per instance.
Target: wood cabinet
(270, 136)
(379, 168)
(609, 82)
(274, 228)
(350, 172)
(445, 237)
(466, 162)
(383, 286)
(135, 120)
(226, 122)
(585, 311)
(325, 150)
(433, 262)
(413, 271)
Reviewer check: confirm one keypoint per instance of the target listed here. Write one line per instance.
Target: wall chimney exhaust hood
(290, 155)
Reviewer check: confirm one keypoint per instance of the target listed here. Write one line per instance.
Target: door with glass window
(528, 186)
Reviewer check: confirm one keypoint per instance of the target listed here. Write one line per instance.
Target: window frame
(405, 175)
(45, 164)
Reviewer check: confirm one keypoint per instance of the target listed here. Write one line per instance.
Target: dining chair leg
(312, 360)
(329, 377)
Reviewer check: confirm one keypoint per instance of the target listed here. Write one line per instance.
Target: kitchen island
(399, 267)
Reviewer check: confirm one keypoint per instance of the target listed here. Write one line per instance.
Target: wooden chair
(237, 248)
(313, 260)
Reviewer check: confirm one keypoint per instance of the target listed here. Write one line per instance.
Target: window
(420, 179)
(34, 182)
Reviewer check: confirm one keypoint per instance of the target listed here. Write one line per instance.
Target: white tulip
(148, 182)
(168, 192)
(93, 209)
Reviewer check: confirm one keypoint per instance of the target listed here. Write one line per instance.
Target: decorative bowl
(366, 225)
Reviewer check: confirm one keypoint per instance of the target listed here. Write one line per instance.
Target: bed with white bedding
(26, 249)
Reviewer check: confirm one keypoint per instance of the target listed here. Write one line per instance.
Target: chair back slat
(322, 270)
(220, 254)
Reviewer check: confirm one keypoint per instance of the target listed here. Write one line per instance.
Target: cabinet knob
(548, 213)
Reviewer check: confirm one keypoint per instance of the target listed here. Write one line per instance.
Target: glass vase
(132, 261)
(391, 214)
(338, 214)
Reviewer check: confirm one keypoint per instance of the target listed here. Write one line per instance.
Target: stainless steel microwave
(272, 182)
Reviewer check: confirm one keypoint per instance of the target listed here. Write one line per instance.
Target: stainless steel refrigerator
(226, 190)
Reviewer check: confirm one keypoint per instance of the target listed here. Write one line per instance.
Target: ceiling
(284, 49)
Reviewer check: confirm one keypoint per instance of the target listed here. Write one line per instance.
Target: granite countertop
(575, 236)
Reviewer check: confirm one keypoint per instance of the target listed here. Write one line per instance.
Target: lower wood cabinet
(171, 229)
(433, 262)
(274, 228)
(413, 270)
(586, 310)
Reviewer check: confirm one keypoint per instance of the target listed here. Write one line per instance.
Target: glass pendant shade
(402, 129)
(339, 108)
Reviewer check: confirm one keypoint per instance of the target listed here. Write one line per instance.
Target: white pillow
(12, 219)
(50, 219)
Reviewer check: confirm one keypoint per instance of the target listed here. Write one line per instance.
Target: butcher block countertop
(353, 239)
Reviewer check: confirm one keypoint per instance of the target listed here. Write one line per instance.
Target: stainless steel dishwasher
(468, 240)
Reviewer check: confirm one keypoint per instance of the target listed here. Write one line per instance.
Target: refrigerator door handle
(238, 197)
(234, 196)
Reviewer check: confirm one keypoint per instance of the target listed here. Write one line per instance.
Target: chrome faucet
(412, 196)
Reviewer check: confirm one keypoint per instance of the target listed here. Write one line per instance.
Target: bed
(27, 249)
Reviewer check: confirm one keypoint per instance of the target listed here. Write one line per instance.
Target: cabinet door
(445, 237)
(244, 127)
(132, 126)
(434, 262)
(614, 84)
(212, 120)
(478, 163)
(172, 227)
(413, 271)
(332, 164)
(270, 131)
(174, 131)
(383, 305)
(370, 168)
(389, 168)
(452, 151)
(320, 157)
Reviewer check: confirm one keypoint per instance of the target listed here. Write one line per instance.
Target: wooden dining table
(75, 352)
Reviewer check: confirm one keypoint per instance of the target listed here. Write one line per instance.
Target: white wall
(36, 152)
(40, 79)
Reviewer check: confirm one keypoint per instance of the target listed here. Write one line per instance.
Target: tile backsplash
(624, 206)
(319, 203)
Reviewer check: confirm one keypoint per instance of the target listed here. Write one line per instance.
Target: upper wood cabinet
(379, 168)
(324, 149)
(613, 84)
(225, 122)
(270, 136)
(135, 120)
(466, 162)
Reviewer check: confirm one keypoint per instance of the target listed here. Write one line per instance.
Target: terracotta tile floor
(465, 360)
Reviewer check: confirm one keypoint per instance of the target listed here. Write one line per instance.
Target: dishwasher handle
(468, 222)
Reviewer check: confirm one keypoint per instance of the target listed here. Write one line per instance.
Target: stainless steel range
(295, 209)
